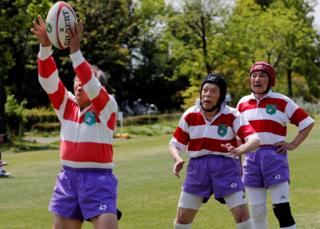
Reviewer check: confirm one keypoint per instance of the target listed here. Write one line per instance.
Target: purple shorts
(84, 193)
(265, 167)
(212, 174)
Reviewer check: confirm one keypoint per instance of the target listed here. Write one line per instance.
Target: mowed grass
(148, 192)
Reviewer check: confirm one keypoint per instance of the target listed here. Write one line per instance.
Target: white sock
(182, 226)
(291, 227)
(258, 215)
(245, 225)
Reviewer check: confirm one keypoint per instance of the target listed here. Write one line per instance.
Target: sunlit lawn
(148, 192)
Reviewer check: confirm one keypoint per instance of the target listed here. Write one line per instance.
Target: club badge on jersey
(90, 118)
(222, 130)
(271, 109)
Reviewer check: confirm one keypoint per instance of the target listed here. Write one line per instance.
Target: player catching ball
(267, 168)
(85, 189)
(208, 131)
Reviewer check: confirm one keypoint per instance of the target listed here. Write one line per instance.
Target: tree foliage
(281, 34)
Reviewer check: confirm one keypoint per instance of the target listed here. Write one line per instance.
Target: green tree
(15, 55)
(110, 32)
(280, 33)
(195, 34)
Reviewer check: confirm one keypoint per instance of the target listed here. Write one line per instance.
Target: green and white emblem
(90, 118)
(271, 109)
(222, 130)
(49, 28)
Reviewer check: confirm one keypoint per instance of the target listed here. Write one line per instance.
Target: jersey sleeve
(243, 128)
(180, 138)
(297, 115)
(105, 104)
(50, 81)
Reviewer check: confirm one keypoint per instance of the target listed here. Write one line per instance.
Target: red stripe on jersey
(210, 144)
(225, 119)
(56, 98)
(298, 115)
(181, 136)
(248, 105)
(112, 121)
(195, 119)
(86, 152)
(46, 67)
(84, 72)
(71, 112)
(281, 103)
(252, 104)
(269, 126)
(245, 131)
(101, 100)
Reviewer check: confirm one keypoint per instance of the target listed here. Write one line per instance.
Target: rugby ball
(59, 20)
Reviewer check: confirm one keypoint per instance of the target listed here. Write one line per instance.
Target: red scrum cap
(267, 68)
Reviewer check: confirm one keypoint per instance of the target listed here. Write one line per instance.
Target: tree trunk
(204, 44)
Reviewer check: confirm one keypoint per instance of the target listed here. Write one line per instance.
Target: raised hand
(39, 29)
(75, 35)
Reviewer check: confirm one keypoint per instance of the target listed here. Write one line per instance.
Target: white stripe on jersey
(207, 131)
(92, 87)
(194, 154)
(174, 142)
(305, 123)
(91, 132)
(269, 138)
(87, 164)
(50, 84)
(260, 114)
(44, 52)
(76, 59)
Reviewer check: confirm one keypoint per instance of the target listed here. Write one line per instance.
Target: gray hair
(100, 75)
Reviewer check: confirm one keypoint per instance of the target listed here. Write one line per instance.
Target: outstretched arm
(47, 69)
(97, 94)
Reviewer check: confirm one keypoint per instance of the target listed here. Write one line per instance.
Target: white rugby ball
(59, 20)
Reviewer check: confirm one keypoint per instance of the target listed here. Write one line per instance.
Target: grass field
(148, 192)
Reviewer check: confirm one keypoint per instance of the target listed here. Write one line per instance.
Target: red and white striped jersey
(200, 137)
(269, 116)
(85, 136)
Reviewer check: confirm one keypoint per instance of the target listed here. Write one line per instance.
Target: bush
(150, 119)
(46, 127)
(140, 120)
(14, 113)
(150, 125)
(310, 108)
(39, 115)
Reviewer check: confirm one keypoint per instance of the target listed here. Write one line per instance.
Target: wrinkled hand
(283, 147)
(235, 152)
(75, 36)
(39, 29)
(177, 167)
